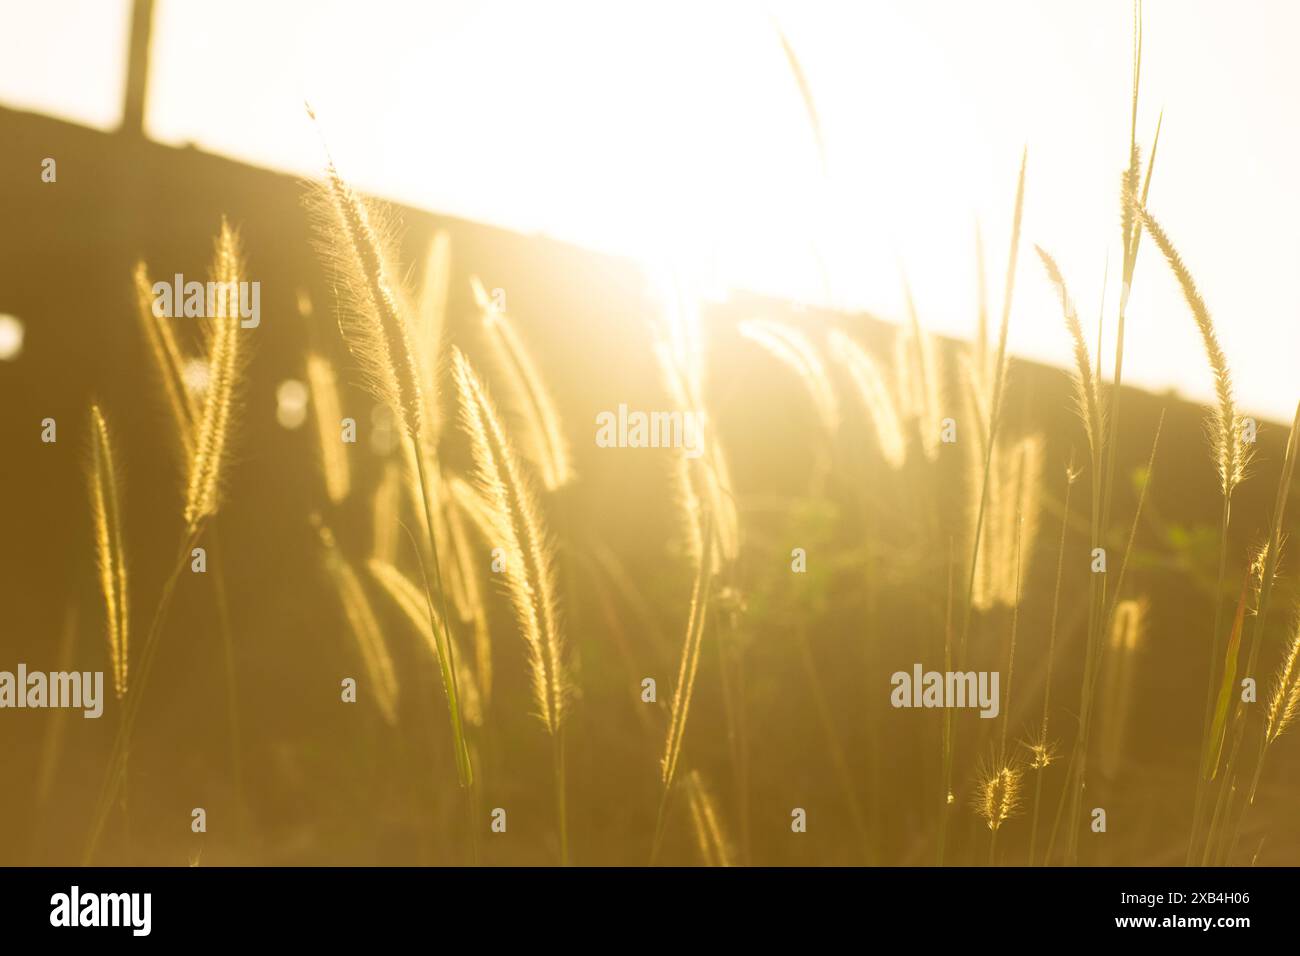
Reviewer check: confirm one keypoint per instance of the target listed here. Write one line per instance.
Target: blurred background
(676, 131)
(790, 162)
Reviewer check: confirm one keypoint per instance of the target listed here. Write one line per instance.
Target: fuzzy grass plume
(1231, 458)
(327, 413)
(793, 349)
(375, 658)
(542, 437)
(1013, 520)
(355, 240)
(1087, 391)
(1284, 700)
(997, 798)
(875, 397)
(1012, 509)
(1283, 707)
(106, 515)
(1230, 454)
(530, 570)
(205, 465)
(530, 574)
(168, 361)
(1119, 678)
(225, 359)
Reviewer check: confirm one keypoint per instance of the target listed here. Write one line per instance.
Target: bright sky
(676, 127)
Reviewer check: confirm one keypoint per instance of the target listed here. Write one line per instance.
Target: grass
(205, 464)
(110, 552)
(823, 433)
(529, 566)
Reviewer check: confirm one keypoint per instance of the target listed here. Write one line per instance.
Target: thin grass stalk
(476, 611)
(376, 328)
(106, 515)
(211, 437)
(470, 803)
(1090, 685)
(682, 691)
(1060, 806)
(1130, 266)
(464, 769)
(815, 126)
(1011, 657)
(1104, 622)
(714, 847)
(232, 687)
(185, 413)
(1230, 457)
(530, 582)
(1132, 239)
(1042, 758)
(947, 796)
(924, 379)
(561, 803)
(833, 742)
(1203, 765)
(995, 414)
(410, 600)
(202, 499)
(731, 659)
(1261, 615)
(114, 776)
(1109, 620)
(686, 671)
(1086, 384)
